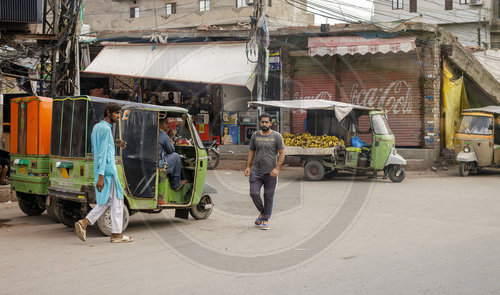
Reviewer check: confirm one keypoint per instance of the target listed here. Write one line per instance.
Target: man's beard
(264, 128)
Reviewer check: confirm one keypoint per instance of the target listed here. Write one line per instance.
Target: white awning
(341, 109)
(211, 63)
(355, 44)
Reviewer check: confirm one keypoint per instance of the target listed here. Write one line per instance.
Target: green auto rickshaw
(379, 155)
(31, 119)
(71, 161)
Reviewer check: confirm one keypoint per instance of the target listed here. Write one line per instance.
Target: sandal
(258, 221)
(123, 239)
(265, 225)
(80, 232)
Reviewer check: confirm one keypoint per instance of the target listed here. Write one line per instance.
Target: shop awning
(211, 63)
(355, 44)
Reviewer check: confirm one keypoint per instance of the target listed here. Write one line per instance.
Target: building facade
(126, 15)
(473, 22)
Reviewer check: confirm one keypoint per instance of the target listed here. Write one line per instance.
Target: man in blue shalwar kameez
(108, 189)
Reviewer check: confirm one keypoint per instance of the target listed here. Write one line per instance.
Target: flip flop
(80, 232)
(124, 239)
(265, 226)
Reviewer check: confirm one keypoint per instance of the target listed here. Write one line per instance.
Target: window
(204, 5)
(269, 3)
(397, 4)
(134, 12)
(463, 2)
(413, 5)
(170, 8)
(241, 3)
(448, 4)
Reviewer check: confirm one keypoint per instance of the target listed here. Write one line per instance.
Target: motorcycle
(212, 154)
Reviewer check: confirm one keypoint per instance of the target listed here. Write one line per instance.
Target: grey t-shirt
(266, 149)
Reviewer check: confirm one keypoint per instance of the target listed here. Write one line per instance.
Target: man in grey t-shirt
(265, 157)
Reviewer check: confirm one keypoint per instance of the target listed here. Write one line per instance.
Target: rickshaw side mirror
(490, 127)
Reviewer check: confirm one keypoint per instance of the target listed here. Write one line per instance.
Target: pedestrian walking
(108, 189)
(265, 157)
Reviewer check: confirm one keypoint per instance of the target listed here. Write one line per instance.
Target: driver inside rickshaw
(169, 160)
(182, 133)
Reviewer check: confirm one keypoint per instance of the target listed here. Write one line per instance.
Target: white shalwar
(116, 211)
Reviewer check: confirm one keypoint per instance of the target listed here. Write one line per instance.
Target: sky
(353, 10)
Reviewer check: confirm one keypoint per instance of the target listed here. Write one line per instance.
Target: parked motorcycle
(212, 154)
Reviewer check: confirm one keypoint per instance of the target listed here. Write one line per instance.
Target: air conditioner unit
(476, 2)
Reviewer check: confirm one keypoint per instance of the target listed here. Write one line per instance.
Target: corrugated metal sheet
(314, 78)
(388, 81)
(26, 11)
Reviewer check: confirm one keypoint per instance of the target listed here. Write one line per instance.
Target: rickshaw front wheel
(104, 222)
(396, 173)
(464, 169)
(203, 209)
(31, 205)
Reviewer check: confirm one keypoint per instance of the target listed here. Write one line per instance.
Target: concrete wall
(467, 34)
(103, 15)
(235, 98)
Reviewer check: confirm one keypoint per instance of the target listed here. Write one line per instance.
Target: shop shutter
(313, 78)
(388, 81)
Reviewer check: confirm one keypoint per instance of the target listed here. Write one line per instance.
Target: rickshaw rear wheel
(69, 213)
(314, 171)
(396, 173)
(104, 222)
(464, 169)
(200, 211)
(31, 205)
(51, 210)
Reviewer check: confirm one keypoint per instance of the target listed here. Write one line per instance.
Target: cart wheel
(464, 169)
(104, 222)
(213, 159)
(51, 210)
(396, 173)
(30, 204)
(314, 171)
(203, 209)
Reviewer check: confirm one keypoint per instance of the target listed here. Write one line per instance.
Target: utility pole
(259, 25)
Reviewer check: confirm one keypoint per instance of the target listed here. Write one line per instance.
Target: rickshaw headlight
(466, 149)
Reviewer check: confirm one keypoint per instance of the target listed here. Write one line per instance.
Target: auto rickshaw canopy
(489, 109)
(341, 109)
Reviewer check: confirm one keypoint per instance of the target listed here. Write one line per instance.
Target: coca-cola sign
(395, 98)
(322, 95)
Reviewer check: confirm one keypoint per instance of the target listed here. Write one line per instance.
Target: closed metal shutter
(313, 78)
(390, 82)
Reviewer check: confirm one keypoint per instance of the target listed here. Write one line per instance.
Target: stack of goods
(307, 140)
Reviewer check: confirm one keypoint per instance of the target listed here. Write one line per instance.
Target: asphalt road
(435, 233)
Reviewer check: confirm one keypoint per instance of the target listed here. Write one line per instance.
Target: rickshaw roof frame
(125, 104)
(30, 98)
(487, 109)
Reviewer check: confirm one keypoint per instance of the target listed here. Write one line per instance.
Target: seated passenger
(169, 160)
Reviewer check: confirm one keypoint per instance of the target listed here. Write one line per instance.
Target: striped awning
(355, 44)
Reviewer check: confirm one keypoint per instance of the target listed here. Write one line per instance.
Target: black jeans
(257, 180)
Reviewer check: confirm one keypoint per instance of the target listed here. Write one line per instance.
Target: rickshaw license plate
(22, 170)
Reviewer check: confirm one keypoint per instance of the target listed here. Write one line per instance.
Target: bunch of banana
(307, 140)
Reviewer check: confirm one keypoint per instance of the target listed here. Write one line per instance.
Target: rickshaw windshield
(477, 125)
(380, 125)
